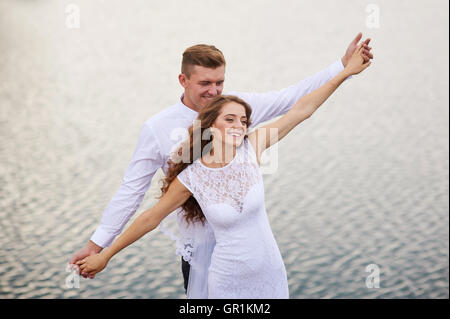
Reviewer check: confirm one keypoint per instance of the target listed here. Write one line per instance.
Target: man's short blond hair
(204, 55)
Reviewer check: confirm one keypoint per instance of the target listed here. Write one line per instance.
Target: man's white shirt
(162, 133)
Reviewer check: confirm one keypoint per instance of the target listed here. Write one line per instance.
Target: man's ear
(182, 78)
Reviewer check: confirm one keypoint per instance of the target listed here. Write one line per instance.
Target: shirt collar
(185, 109)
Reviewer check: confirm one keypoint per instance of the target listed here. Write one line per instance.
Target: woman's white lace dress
(245, 261)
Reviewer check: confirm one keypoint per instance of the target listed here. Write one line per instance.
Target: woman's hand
(93, 264)
(356, 63)
(89, 249)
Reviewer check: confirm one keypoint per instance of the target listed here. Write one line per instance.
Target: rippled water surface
(364, 181)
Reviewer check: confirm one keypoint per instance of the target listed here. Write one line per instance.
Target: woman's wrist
(107, 254)
(346, 72)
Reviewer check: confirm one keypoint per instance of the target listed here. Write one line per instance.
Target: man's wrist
(94, 247)
(102, 237)
(344, 61)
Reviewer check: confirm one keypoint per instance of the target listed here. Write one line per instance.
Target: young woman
(216, 179)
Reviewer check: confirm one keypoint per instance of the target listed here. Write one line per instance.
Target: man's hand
(93, 264)
(366, 54)
(357, 63)
(90, 249)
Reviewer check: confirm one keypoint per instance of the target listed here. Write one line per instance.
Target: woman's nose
(238, 124)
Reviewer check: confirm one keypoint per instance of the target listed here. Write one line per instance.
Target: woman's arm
(176, 195)
(262, 138)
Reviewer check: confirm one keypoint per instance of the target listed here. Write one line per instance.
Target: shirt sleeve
(266, 106)
(145, 162)
(184, 178)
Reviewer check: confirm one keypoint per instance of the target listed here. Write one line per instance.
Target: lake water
(363, 182)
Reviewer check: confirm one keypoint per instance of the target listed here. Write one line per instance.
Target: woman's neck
(220, 155)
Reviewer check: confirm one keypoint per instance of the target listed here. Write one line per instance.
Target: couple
(228, 249)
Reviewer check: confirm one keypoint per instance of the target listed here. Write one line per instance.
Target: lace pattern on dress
(228, 184)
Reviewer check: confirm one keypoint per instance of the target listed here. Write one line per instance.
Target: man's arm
(145, 162)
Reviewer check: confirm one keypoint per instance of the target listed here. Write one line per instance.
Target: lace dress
(245, 261)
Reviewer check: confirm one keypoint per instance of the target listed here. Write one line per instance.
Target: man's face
(202, 86)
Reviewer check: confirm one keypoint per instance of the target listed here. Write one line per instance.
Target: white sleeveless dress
(245, 261)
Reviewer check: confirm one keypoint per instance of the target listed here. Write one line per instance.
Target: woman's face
(230, 126)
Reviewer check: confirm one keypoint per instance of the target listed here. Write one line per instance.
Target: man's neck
(187, 102)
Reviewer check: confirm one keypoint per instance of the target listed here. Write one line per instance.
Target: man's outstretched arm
(145, 162)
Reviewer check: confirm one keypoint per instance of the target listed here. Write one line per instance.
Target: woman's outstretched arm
(176, 195)
(262, 138)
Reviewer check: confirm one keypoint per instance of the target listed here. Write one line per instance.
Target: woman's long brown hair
(199, 134)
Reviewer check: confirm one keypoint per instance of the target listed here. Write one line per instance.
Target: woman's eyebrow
(235, 115)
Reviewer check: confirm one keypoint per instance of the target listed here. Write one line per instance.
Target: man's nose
(213, 90)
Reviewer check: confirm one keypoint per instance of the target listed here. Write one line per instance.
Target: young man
(202, 77)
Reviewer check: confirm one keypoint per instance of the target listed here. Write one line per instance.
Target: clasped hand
(93, 264)
(357, 62)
